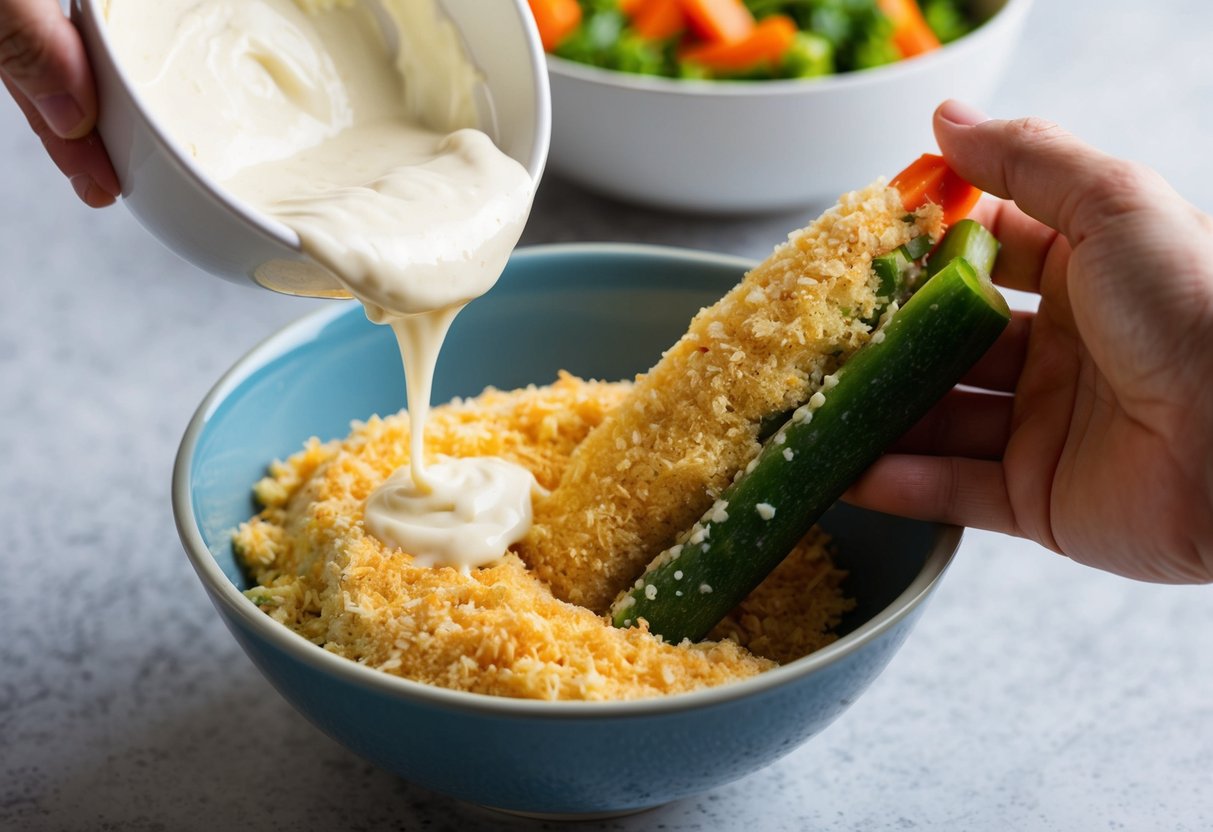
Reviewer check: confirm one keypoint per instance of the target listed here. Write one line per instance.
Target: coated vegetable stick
(662, 457)
(718, 20)
(929, 179)
(912, 35)
(555, 19)
(659, 19)
(766, 44)
(890, 383)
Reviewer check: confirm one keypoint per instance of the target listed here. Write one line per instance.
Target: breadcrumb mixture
(661, 459)
(499, 629)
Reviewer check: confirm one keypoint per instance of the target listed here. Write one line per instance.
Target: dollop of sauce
(462, 520)
(356, 126)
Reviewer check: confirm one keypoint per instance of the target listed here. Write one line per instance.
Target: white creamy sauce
(462, 511)
(355, 125)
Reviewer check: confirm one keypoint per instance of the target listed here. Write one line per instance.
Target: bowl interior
(599, 312)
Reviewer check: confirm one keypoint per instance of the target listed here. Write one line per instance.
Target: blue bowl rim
(222, 591)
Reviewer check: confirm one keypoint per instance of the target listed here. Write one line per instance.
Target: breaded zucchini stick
(657, 463)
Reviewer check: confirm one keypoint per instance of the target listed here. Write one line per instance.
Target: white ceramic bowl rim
(172, 149)
(272, 227)
(858, 79)
(298, 647)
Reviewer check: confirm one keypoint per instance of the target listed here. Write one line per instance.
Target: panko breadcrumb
(661, 458)
(498, 629)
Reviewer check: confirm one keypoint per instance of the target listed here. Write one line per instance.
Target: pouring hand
(45, 68)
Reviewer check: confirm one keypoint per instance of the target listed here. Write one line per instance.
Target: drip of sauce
(375, 161)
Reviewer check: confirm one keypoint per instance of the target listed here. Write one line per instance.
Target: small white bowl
(194, 216)
(749, 146)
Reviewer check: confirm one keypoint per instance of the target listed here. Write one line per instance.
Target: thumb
(1050, 174)
(42, 56)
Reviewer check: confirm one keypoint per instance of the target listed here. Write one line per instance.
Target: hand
(43, 64)
(1103, 451)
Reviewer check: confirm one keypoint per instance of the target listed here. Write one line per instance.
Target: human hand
(44, 66)
(1104, 449)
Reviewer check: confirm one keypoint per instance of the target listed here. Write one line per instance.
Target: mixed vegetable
(747, 39)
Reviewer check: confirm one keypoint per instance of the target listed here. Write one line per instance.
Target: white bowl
(195, 217)
(734, 147)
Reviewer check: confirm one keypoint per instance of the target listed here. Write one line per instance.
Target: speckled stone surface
(1035, 694)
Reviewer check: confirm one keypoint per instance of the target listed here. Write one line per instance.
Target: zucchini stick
(968, 239)
(897, 272)
(661, 458)
(900, 270)
(917, 355)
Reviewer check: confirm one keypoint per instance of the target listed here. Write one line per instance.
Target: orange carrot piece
(718, 21)
(912, 35)
(929, 179)
(556, 20)
(766, 44)
(632, 7)
(659, 19)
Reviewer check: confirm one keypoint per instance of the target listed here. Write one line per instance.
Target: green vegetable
(968, 239)
(886, 386)
(896, 271)
(261, 599)
(874, 50)
(810, 56)
(947, 19)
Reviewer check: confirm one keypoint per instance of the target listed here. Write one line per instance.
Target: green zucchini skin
(889, 384)
(894, 270)
(968, 239)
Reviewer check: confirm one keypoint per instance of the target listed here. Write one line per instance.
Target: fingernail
(62, 113)
(88, 191)
(961, 114)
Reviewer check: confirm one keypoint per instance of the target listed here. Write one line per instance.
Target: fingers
(44, 66)
(1029, 247)
(41, 54)
(1051, 175)
(1000, 367)
(83, 161)
(966, 423)
(966, 492)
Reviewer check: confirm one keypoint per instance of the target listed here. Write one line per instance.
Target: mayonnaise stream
(375, 161)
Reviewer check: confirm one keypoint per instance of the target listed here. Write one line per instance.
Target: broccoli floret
(594, 39)
(809, 56)
(632, 53)
(947, 19)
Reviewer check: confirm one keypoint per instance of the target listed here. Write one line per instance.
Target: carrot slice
(929, 179)
(718, 21)
(767, 44)
(912, 35)
(659, 19)
(556, 20)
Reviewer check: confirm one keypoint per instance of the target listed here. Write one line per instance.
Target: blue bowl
(599, 312)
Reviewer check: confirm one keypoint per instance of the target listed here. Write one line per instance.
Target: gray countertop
(1035, 694)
